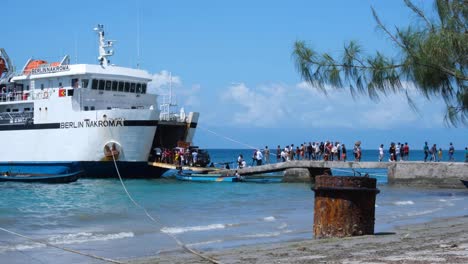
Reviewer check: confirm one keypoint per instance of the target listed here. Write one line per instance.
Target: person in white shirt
(381, 153)
(259, 157)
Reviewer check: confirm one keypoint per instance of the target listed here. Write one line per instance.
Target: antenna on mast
(138, 34)
(104, 46)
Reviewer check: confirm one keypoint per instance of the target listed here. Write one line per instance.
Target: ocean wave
(282, 226)
(77, 238)
(260, 235)
(179, 230)
(84, 237)
(403, 202)
(269, 219)
(21, 247)
(425, 212)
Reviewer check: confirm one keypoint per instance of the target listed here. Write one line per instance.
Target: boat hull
(32, 172)
(101, 169)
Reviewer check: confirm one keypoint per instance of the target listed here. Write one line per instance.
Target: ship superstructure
(86, 113)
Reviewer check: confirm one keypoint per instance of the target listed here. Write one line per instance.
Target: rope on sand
(182, 245)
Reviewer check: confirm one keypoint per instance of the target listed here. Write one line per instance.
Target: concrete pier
(414, 173)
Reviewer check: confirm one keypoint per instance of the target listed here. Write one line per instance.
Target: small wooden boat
(198, 177)
(465, 182)
(44, 178)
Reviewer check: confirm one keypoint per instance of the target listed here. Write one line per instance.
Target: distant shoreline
(442, 240)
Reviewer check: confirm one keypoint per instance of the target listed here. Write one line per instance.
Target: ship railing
(13, 96)
(24, 96)
(16, 117)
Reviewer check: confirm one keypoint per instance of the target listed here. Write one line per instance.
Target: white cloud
(339, 109)
(181, 95)
(262, 107)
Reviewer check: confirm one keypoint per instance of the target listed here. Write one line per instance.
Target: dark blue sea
(97, 217)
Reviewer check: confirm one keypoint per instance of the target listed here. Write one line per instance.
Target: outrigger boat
(44, 178)
(212, 177)
(33, 172)
(200, 177)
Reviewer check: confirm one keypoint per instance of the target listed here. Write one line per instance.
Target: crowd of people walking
(336, 151)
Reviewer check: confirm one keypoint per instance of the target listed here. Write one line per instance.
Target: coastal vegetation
(433, 56)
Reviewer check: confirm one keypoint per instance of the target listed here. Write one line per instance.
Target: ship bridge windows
(102, 84)
(114, 86)
(117, 86)
(75, 83)
(108, 85)
(84, 83)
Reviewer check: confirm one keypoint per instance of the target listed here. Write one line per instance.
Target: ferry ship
(91, 114)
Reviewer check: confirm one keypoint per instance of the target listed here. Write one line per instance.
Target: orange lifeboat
(2, 66)
(34, 64)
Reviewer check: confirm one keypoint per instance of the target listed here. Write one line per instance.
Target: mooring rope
(61, 248)
(227, 138)
(180, 243)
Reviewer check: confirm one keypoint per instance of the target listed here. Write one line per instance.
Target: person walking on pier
(259, 157)
(406, 151)
(381, 153)
(439, 154)
(343, 152)
(426, 151)
(451, 152)
(267, 155)
(278, 154)
(466, 154)
(433, 152)
(392, 152)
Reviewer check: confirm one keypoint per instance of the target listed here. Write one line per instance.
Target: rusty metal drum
(344, 206)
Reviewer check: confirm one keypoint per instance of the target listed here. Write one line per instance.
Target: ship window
(102, 83)
(70, 92)
(42, 86)
(60, 85)
(127, 87)
(143, 88)
(94, 84)
(84, 83)
(109, 108)
(114, 85)
(121, 86)
(133, 107)
(74, 83)
(15, 110)
(138, 88)
(27, 109)
(8, 110)
(27, 87)
(132, 88)
(108, 85)
(92, 108)
(86, 108)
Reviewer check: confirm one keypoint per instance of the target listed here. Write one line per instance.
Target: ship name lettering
(98, 123)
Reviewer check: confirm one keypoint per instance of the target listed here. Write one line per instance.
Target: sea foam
(269, 219)
(404, 202)
(179, 230)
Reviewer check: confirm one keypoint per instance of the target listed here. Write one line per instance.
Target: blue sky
(231, 61)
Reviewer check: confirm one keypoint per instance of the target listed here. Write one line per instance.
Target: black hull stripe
(131, 123)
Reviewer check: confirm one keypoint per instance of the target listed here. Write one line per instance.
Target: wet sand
(440, 241)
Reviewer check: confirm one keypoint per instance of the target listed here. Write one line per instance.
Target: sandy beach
(439, 241)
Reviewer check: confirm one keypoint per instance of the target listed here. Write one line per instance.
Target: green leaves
(434, 58)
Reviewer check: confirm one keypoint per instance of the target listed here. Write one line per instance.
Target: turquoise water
(96, 216)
